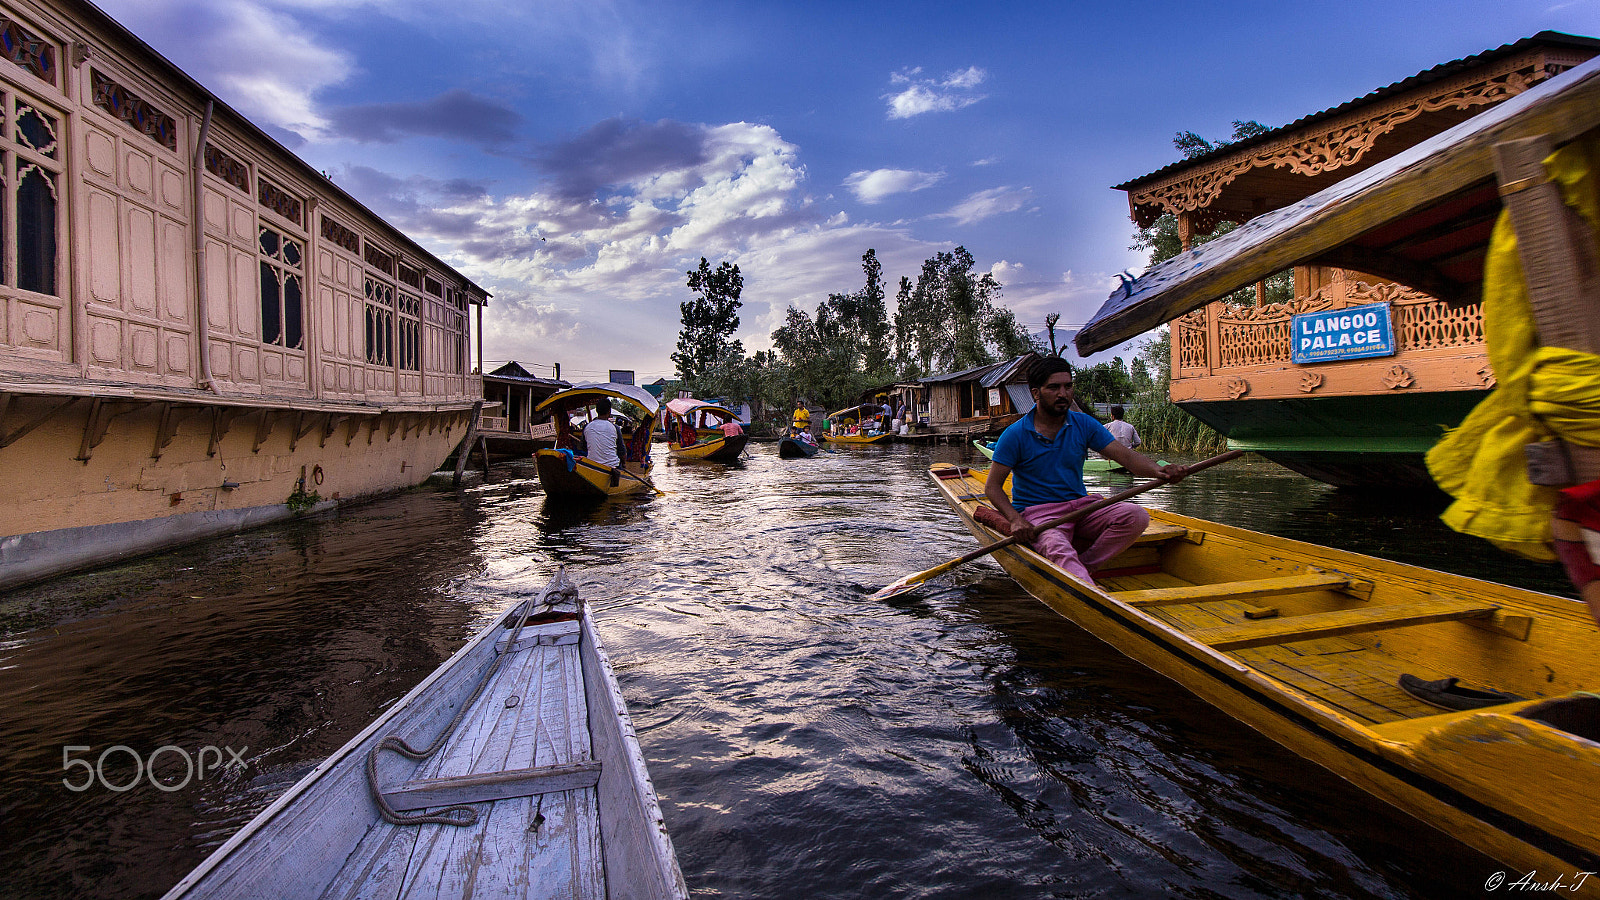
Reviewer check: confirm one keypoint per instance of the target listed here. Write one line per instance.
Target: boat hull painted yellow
(588, 478)
(721, 449)
(857, 439)
(1317, 672)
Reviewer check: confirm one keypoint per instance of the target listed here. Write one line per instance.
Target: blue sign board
(1354, 333)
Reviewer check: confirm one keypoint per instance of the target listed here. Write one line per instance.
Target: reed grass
(1164, 427)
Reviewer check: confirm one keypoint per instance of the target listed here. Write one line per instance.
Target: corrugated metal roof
(963, 375)
(1427, 76)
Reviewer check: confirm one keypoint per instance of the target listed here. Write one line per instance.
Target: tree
(1161, 238)
(949, 320)
(707, 353)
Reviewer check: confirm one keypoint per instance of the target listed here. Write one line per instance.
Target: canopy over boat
(582, 394)
(873, 409)
(1422, 218)
(683, 406)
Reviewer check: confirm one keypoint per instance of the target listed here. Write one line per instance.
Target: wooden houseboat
(200, 332)
(1343, 417)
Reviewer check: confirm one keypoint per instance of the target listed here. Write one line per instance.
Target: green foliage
(300, 501)
(948, 320)
(1161, 423)
(708, 355)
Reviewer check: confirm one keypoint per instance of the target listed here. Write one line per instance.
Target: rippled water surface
(962, 741)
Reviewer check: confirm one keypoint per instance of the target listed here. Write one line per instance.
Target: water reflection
(962, 741)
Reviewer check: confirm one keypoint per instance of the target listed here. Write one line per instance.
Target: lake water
(962, 741)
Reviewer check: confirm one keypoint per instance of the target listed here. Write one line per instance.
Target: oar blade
(914, 580)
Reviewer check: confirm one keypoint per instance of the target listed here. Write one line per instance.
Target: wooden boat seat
(1345, 621)
(1159, 533)
(1235, 590)
(426, 792)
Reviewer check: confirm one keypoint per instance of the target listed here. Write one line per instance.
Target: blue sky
(576, 158)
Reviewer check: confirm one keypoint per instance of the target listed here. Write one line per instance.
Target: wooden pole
(465, 447)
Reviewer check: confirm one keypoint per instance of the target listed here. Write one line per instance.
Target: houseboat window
(31, 218)
(281, 295)
(379, 260)
(410, 276)
(28, 50)
(433, 286)
(380, 323)
(410, 349)
(227, 168)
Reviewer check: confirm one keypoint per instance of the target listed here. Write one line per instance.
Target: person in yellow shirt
(802, 417)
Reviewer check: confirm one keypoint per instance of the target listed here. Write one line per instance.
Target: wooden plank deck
(530, 718)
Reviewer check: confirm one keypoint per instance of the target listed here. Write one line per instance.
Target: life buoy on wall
(316, 475)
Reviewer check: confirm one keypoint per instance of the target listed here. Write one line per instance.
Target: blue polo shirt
(1049, 471)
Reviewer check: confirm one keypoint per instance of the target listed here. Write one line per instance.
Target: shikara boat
(1307, 645)
(565, 472)
(794, 448)
(694, 431)
(536, 760)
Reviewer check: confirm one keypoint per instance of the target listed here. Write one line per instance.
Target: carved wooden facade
(100, 279)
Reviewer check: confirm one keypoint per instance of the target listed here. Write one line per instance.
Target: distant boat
(694, 431)
(566, 472)
(541, 766)
(794, 448)
(860, 415)
(1308, 646)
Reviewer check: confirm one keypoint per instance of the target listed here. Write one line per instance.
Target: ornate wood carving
(1237, 388)
(1398, 378)
(1310, 381)
(101, 412)
(1343, 143)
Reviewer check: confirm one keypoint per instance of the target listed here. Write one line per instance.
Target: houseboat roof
(1550, 39)
(133, 45)
(1422, 218)
(971, 374)
(512, 372)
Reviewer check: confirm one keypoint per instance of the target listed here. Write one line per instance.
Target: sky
(576, 159)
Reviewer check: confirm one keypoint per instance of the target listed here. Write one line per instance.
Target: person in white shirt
(601, 439)
(1124, 432)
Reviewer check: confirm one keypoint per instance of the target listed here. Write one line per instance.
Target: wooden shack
(515, 429)
(980, 401)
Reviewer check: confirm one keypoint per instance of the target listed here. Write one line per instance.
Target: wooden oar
(910, 582)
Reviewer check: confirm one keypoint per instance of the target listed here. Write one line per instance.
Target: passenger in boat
(602, 441)
(1123, 431)
(731, 428)
(1044, 452)
(802, 417)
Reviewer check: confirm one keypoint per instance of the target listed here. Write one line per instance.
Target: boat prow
(541, 757)
(791, 448)
(1307, 644)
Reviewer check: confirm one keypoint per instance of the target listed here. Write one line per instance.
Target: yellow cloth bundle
(1541, 392)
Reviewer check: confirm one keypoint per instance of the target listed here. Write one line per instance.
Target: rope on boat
(461, 814)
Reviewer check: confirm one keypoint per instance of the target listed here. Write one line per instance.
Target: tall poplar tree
(708, 356)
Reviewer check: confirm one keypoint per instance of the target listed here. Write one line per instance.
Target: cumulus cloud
(873, 186)
(456, 114)
(919, 95)
(987, 204)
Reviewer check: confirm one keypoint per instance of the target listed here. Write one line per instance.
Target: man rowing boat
(1044, 452)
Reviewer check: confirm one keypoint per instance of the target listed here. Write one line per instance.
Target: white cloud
(873, 186)
(925, 95)
(987, 204)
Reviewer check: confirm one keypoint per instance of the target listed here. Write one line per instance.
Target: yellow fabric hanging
(1541, 392)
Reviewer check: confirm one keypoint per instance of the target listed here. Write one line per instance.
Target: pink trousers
(1088, 543)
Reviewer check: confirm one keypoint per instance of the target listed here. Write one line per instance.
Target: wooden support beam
(1289, 629)
(269, 419)
(304, 424)
(8, 438)
(427, 792)
(329, 428)
(465, 447)
(101, 412)
(1234, 590)
(166, 429)
(221, 420)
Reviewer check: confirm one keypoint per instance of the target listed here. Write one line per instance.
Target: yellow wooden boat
(701, 424)
(861, 415)
(565, 472)
(1307, 644)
